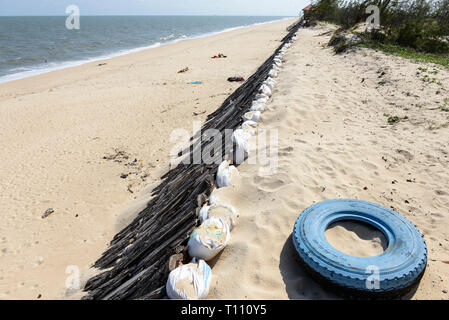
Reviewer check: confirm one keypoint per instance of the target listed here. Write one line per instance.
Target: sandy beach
(335, 142)
(69, 136)
(92, 141)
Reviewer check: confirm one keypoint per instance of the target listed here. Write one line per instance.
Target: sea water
(34, 45)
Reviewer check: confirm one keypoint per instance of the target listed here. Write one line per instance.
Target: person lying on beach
(184, 70)
(220, 55)
(236, 79)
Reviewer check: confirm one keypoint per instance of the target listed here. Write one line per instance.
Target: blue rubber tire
(397, 270)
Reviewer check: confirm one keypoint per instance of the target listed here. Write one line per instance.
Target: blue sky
(155, 7)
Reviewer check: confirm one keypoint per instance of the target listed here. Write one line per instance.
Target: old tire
(392, 274)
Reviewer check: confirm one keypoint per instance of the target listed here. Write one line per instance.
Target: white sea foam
(166, 38)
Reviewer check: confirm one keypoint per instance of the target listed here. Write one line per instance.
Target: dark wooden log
(136, 264)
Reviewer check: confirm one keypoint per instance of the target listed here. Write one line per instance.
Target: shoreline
(69, 136)
(76, 63)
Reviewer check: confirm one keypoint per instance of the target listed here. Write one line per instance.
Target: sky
(154, 7)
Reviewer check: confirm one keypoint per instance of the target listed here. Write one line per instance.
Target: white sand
(334, 142)
(56, 129)
(356, 239)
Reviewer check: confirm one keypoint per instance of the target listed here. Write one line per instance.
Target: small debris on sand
(236, 79)
(220, 55)
(47, 212)
(184, 70)
(119, 156)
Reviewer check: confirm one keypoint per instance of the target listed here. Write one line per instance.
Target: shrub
(419, 24)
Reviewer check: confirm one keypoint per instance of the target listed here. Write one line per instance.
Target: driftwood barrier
(136, 264)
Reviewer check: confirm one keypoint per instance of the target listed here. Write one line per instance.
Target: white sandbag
(250, 130)
(248, 125)
(257, 107)
(203, 215)
(209, 239)
(277, 62)
(223, 211)
(265, 90)
(273, 73)
(270, 79)
(240, 138)
(252, 116)
(270, 83)
(190, 281)
(256, 104)
(214, 198)
(261, 98)
(225, 174)
(275, 67)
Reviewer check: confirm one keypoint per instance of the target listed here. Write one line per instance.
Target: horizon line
(153, 15)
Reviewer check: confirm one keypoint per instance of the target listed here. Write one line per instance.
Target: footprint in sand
(269, 184)
(285, 151)
(368, 165)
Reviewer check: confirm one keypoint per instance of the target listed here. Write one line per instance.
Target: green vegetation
(339, 42)
(393, 119)
(426, 78)
(397, 50)
(445, 106)
(414, 29)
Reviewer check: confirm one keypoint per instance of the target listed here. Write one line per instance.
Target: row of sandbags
(218, 218)
(241, 137)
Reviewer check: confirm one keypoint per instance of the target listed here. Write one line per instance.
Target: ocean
(34, 45)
